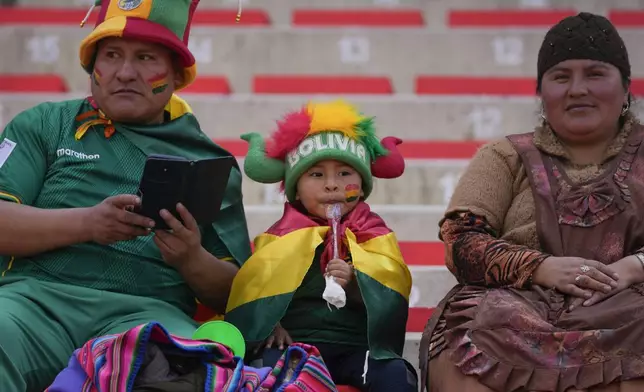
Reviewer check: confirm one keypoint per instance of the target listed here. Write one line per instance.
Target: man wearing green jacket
(75, 261)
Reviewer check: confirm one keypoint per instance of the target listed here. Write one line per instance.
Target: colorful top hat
(166, 22)
(319, 131)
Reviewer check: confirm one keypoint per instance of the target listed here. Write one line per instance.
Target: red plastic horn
(393, 164)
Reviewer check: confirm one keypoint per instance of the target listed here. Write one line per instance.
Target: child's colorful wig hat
(317, 132)
(166, 22)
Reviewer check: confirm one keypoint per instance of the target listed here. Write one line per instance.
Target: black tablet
(200, 185)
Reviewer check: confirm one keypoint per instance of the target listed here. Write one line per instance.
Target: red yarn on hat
(391, 165)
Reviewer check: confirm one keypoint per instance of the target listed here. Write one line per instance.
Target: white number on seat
(486, 122)
(508, 51)
(44, 49)
(354, 50)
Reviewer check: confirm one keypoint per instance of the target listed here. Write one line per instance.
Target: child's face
(329, 182)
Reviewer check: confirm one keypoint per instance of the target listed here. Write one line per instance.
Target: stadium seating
(444, 75)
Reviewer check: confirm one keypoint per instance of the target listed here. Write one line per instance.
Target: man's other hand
(182, 242)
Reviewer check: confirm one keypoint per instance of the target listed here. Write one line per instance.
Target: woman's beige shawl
(495, 184)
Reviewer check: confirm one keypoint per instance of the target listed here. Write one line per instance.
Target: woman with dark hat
(545, 236)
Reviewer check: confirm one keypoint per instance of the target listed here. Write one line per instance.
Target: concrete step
(406, 116)
(410, 222)
(280, 11)
(411, 349)
(424, 182)
(430, 284)
(392, 4)
(239, 54)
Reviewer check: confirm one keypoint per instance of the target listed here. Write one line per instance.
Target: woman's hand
(279, 338)
(575, 276)
(631, 271)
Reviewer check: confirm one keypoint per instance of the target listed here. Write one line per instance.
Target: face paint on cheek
(96, 76)
(158, 83)
(351, 192)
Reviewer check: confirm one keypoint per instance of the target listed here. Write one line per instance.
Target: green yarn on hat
(257, 166)
(318, 131)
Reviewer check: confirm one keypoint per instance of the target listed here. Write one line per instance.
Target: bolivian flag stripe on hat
(166, 22)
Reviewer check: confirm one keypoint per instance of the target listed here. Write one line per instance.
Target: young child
(327, 153)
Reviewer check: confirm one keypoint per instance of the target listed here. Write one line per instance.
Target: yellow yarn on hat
(338, 116)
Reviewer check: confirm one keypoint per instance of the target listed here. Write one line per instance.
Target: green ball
(222, 332)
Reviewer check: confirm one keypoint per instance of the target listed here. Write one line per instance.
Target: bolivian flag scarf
(264, 286)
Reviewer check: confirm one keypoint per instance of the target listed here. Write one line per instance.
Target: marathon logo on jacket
(71, 153)
(325, 141)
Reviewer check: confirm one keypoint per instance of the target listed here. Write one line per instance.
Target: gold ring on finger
(584, 269)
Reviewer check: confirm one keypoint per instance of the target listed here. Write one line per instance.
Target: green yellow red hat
(319, 131)
(166, 22)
